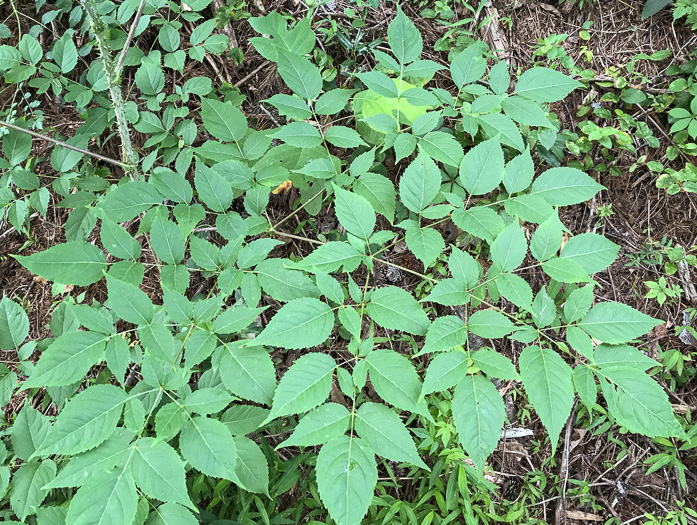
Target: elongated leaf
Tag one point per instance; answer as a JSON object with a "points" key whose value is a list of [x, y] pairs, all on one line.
{"points": [[481, 169], [167, 241], [479, 413], [420, 183], [547, 380], [494, 364], [301, 323], [378, 191], [544, 85], [208, 445], [78, 263], [86, 421], [346, 475], [464, 268], [384, 431], [425, 243], [319, 426], [126, 201], [565, 186], [448, 292], [354, 213], [29, 431], [159, 471], [480, 222], [284, 284], [27, 491], [14, 324], [442, 147], [129, 302], [490, 324], [404, 39], [519, 172], [108, 498], [171, 514], [396, 309], [622, 356], [300, 75], [584, 381], [304, 386], [213, 189], [252, 469], [331, 257], [592, 251], [67, 359], [468, 66], [515, 289], [616, 323], [509, 249], [446, 332], [248, 373]]}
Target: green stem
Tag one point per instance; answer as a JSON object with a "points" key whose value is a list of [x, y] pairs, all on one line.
{"points": [[113, 81]]}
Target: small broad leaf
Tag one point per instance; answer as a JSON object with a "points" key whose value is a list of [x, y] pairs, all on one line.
{"points": [[354, 213], [592, 251], [479, 413], [490, 324], [509, 249], [223, 120], [464, 268], [547, 380], [107, 498], [584, 382], [546, 240], [346, 475], [129, 302], [468, 66], [545, 85], [578, 303], [446, 332], [86, 421], [445, 371], [300, 75], [171, 514], [378, 191], [29, 431], [331, 257], [126, 201], [14, 324], [494, 364], [248, 372], [425, 243], [159, 471], [396, 381], [65, 53], [27, 491], [565, 186], [118, 242], [305, 385], [319, 426], [420, 183], [78, 263], [396, 309], [481, 169], [213, 189], [519, 172], [515, 289], [208, 446], [616, 323], [301, 323], [386, 434], [167, 241], [442, 147], [480, 222]]}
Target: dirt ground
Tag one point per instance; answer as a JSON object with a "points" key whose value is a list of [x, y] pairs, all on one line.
{"points": [[613, 467]]}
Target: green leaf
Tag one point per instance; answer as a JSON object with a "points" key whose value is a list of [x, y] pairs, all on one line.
{"points": [[592, 251], [519, 172], [448, 292], [442, 147], [378, 191], [622, 356], [107, 498], [565, 186], [284, 284], [333, 101], [578, 303], [396, 309], [319, 426], [150, 78], [500, 126], [129, 302], [255, 252], [479, 413], [584, 381], [27, 491], [404, 39], [207, 400], [78, 263], [651, 7], [252, 469], [445, 371], [14, 324], [509, 249], [420, 183], [547, 381], [208, 446], [481, 222], [525, 112], [490, 324], [300, 135], [9, 57], [494, 364], [343, 137], [300, 75], [159, 471], [126, 201], [616, 323], [86, 421], [301, 323], [464, 268], [171, 185], [304, 386], [515, 289], [346, 476], [379, 83], [546, 240], [638, 403], [290, 106], [236, 319], [425, 243], [167, 241], [481, 169], [331, 257], [384, 431], [118, 242], [396, 381], [248, 373], [29, 431], [67, 359], [529, 208], [446, 332], [65, 52], [468, 66], [544, 85], [213, 189], [565, 271], [354, 213], [223, 120], [171, 514]]}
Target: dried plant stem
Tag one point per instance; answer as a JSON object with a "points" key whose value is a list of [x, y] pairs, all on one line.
{"points": [[113, 81]]}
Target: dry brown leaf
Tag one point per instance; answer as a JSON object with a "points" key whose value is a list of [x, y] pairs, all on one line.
{"points": [[283, 188]]}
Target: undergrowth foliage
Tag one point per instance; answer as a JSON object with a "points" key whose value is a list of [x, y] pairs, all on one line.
{"points": [[155, 402]]}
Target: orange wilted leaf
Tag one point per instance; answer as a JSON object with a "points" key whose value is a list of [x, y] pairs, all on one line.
{"points": [[283, 188]]}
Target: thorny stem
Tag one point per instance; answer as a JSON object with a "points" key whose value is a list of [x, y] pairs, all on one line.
{"points": [[112, 77], [132, 32]]}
